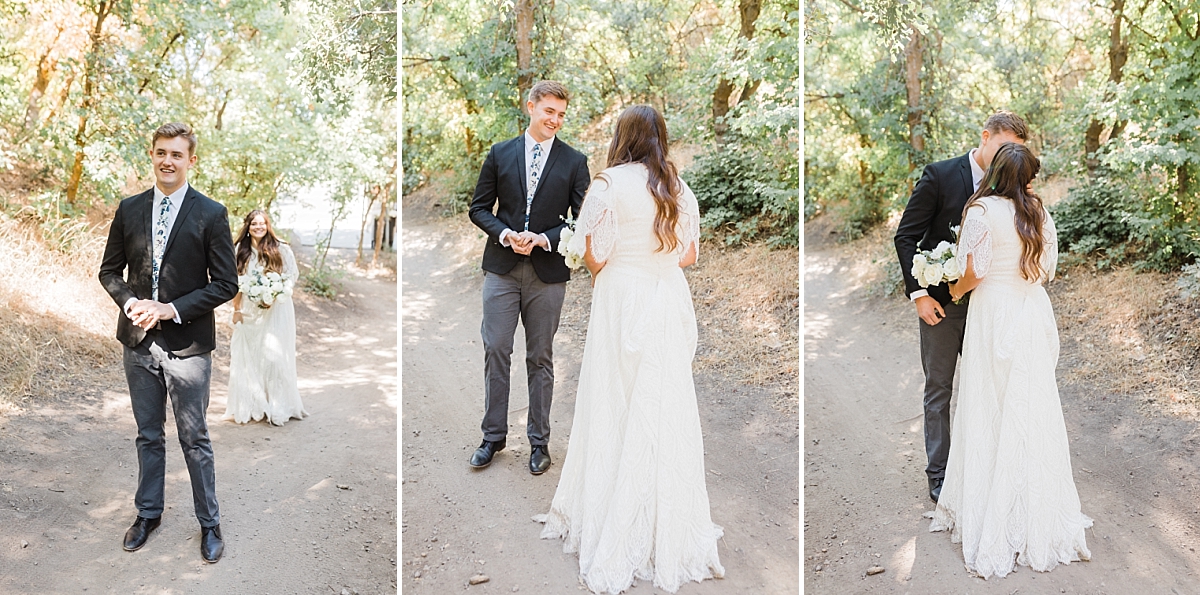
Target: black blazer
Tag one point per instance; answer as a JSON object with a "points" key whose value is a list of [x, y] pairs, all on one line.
{"points": [[197, 273], [936, 203], [563, 183]]}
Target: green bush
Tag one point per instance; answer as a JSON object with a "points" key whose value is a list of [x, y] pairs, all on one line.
{"points": [[743, 197], [1109, 224], [1096, 220]]}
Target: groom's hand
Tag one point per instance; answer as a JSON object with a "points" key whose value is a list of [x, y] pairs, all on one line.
{"points": [[147, 313], [929, 310], [534, 240]]}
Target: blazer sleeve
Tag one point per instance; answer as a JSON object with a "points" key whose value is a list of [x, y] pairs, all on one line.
{"points": [[485, 198], [581, 179], [918, 216], [112, 267], [222, 272]]}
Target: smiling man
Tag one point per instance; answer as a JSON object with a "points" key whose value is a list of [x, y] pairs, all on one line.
{"points": [[168, 264], [526, 187]]}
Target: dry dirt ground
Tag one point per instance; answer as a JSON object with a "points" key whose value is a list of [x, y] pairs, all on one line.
{"points": [[306, 508], [864, 483], [457, 523]]}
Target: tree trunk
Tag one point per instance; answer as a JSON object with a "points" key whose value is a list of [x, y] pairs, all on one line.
{"points": [[1118, 54], [85, 105], [380, 225], [45, 69], [748, 11], [524, 18], [362, 228], [913, 59]]}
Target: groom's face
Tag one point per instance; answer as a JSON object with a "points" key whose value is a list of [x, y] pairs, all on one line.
{"points": [[172, 158], [991, 143], [546, 116]]}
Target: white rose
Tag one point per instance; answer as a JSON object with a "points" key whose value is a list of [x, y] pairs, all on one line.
{"points": [[950, 269], [933, 274], [941, 250], [918, 269], [564, 238]]}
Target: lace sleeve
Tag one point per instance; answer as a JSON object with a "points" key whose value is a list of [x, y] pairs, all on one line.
{"points": [[689, 220], [975, 238], [291, 272], [1050, 250], [598, 220]]}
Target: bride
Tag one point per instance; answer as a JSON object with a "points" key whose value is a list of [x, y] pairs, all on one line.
{"points": [[262, 366], [632, 500], [1009, 497]]}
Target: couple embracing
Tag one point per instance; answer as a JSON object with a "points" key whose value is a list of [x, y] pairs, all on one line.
{"points": [[1000, 475], [631, 499]]}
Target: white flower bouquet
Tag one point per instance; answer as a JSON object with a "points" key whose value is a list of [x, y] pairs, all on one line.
{"points": [[937, 266], [263, 289], [574, 259]]}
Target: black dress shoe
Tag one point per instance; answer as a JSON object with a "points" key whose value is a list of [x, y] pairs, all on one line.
{"points": [[539, 459], [935, 488], [137, 534], [211, 546], [483, 455]]}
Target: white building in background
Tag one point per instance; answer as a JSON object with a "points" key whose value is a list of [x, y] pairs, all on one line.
{"points": [[308, 214]]}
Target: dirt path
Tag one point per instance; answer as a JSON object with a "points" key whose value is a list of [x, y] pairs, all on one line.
{"points": [[458, 523], [865, 489], [69, 473]]}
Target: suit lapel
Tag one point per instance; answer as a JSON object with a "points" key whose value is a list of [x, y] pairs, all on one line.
{"points": [[148, 223], [965, 170], [522, 169], [555, 151], [189, 200]]}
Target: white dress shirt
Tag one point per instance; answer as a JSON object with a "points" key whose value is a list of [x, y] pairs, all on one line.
{"points": [[529, 144], [977, 174], [176, 202]]}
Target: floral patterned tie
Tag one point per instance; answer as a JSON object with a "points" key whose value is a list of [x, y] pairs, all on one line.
{"points": [[534, 174], [160, 242]]}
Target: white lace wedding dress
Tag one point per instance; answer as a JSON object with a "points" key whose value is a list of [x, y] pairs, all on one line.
{"points": [[632, 500], [1009, 496], [262, 358]]}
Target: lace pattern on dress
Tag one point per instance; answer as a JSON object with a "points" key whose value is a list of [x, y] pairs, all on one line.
{"points": [[1050, 251], [598, 220], [689, 220], [975, 239]]}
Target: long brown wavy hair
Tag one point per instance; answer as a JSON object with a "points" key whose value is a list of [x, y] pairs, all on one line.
{"points": [[1012, 169], [268, 249], [641, 137]]}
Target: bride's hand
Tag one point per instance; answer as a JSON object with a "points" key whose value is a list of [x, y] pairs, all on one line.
{"points": [[237, 317]]}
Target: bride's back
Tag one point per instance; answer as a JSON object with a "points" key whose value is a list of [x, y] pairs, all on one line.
{"points": [[1004, 259], [622, 190]]}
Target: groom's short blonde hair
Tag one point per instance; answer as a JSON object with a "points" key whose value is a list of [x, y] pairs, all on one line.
{"points": [[1010, 121], [176, 129], [544, 88]]}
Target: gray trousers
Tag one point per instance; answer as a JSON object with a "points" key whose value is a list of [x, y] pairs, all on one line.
{"points": [[507, 298], [940, 346], [153, 373]]}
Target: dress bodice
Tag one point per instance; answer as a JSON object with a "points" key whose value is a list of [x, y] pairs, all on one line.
{"points": [[618, 213], [989, 233]]}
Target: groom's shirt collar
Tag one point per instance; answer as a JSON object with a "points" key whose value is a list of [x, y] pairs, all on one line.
{"points": [[530, 142], [976, 171], [176, 197]]}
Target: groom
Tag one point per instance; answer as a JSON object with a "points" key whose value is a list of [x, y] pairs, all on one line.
{"points": [[936, 204], [168, 263], [527, 185]]}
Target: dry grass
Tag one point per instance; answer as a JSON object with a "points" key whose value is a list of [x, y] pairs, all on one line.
{"points": [[1131, 334], [748, 309], [56, 329]]}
